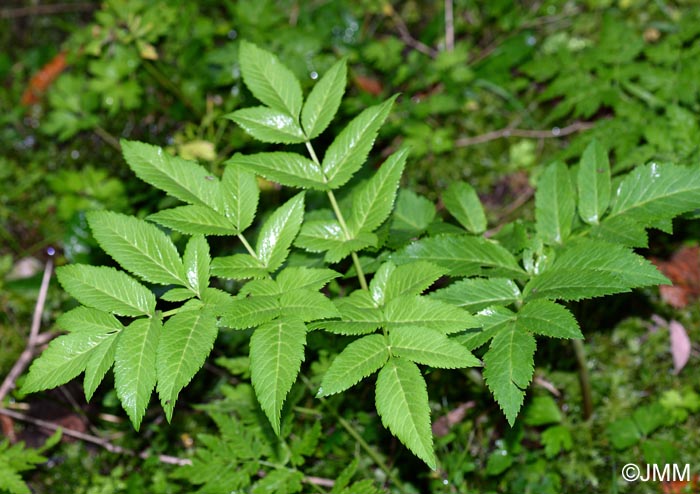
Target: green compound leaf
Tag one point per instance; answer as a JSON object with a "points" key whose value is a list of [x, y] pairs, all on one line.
{"points": [[84, 319], [268, 125], [593, 183], [215, 299], [244, 313], [265, 286], [93, 322], [138, 246], [461, 255], [196, 262], [372, 201], [180, 178], [324, 100], [429, 347], [290, 169], [508, 368], [184, 345], [306, 305], [135, 366], [461, 201], [377, 287], [428, 313], [621, 230], [294, 278], [99, 362], [276, 353], [194, 220], [107, 289], [573, 284], [177, 295], [68, 355], [492, 321], [591, 268], [240, 195], [328, 236], [555, 204], [320, 235], [269, 80], [657, 191], [549, 319], [354, 320], [474, 294], [349, 150], [278, 233], [345, 248], [411, 279], [358, 360], [237, 267], [591, 255], [402, 403]]}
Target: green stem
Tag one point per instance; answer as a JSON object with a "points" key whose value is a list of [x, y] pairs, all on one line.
{"points": [[247, 245], [108, 138], [584, 378], [171, 312], [360, 440], [310, 148], [346, 232], [341, 219], [338, 214]]}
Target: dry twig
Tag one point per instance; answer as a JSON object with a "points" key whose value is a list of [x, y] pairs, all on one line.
{"points": [[112, 448], [35, 339], [449, 26], [532, 134], [406, 37]]}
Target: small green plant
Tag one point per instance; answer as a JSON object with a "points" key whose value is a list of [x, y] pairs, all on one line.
{"points": [[499, 291], [634, 75], [16, 458]]}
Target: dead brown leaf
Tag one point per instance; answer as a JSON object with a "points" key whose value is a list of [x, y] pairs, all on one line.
{"points": [[369, 85], [443, 425], [683, 269]]}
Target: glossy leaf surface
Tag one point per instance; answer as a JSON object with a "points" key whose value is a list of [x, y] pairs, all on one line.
{"points": [[402, 403], [140, 247]]}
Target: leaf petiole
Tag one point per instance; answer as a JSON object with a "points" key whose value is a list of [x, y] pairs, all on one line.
{"points": [[341, 219], [247, 245]]}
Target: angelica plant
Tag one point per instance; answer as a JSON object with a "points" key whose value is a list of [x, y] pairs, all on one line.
{"points": [[500, 293]]}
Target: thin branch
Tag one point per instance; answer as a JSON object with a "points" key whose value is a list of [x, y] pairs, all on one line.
{"points": [[449, 25], [532, 134], [584, 378], [108, 138], [26, 356], [542, 382], [112, 448], [59, 8], [319, 481], [406, 37]]}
